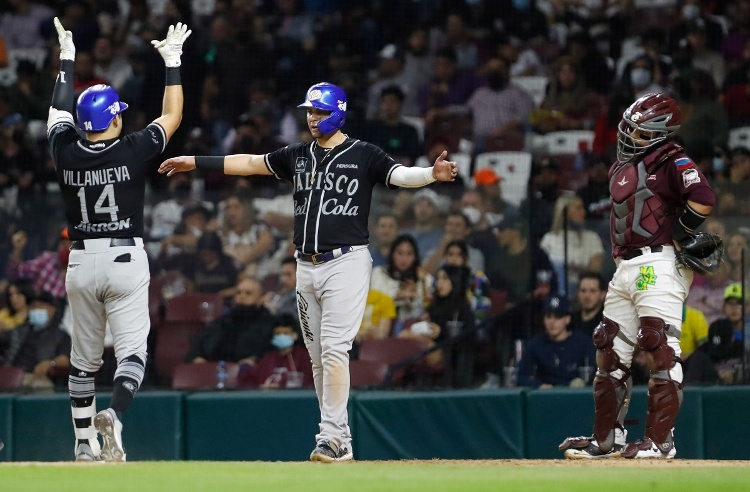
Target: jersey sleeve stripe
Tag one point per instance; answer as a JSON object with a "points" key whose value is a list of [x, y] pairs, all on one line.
{"points": [[268, 166], [390, 172], [163, 134]]}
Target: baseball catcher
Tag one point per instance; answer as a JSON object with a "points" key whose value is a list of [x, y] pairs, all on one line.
{"points": [[659, 200]]}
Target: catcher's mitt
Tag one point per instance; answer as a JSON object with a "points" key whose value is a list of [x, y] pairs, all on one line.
{"points": [[702, 252]]}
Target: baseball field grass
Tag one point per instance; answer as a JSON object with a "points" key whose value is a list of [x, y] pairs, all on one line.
{"points": [[365, 476]]}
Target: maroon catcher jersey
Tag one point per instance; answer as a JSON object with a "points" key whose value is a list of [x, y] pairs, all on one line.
{"points": [[648, 194]]}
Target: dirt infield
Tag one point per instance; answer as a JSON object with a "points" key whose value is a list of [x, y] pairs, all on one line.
{"points": [[674, 463]]}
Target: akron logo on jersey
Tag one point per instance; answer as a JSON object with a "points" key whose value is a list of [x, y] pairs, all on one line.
{"points": [[342, 105], [315, 94]]}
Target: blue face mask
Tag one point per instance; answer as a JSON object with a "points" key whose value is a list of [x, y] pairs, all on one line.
{"points": [[640, 77], [521, 4], [282, 341], [718, 164], [38, 318]]}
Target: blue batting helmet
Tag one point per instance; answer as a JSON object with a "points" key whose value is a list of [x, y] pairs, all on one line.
{"points": [[97, 107], [327, 97]]}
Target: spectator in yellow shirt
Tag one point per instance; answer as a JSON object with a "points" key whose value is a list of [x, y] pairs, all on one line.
{"points": [[380, 311], [694, 330]]}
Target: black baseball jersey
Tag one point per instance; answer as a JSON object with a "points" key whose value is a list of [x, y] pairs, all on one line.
{"points": [[103, 183], [332, 190]]}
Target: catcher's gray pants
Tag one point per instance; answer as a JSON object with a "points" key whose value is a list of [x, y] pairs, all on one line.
{"points": [[652, 284], [331, 300], [101, 289]]}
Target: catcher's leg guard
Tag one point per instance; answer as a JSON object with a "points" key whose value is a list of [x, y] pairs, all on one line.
{"points": [[665, 383], [611, 394]]}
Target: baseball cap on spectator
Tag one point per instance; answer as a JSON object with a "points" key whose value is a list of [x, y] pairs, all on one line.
{"points": [[45, 297], [557, 305], [733, 291], [431, 196], [486, 177]]}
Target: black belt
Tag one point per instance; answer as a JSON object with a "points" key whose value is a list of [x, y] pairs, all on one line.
{"points": [[638, 252], [318, 258], [114, 242]]}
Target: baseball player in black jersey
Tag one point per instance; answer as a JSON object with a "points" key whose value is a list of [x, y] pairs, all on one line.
{"points": [[333, 179], [102, 180]]}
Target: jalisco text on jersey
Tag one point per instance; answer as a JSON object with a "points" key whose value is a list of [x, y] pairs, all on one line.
{"points": [[96, 177], [342, 183]]}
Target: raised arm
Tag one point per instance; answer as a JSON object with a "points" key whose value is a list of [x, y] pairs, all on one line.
{"points": [[63, 98], [236, 164], [170, 48]]}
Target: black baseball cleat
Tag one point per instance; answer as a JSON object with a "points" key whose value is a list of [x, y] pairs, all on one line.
{"points": [[586, 448], [326, 453]]}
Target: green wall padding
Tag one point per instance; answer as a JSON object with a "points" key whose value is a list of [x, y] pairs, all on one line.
{"points": [[251, 425], [555, 414], [448, 425], [152, 427], [726, 424], [6, 427]]}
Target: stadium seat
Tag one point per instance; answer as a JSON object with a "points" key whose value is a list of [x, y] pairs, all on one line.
{"points": [[535, 85], [364, 373], [514, 169], [203, 376], [390, 351], [11, 379], [194, 307], [568, 142], [172, 343]]}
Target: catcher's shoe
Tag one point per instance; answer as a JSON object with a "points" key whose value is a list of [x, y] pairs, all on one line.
{"points": [[646, 449], [586, 448], [325, 452], [110, 428]]}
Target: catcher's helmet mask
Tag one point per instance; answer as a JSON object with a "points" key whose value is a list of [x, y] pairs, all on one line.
{"points": [[327, 97], [650, 120], [97, 106]]}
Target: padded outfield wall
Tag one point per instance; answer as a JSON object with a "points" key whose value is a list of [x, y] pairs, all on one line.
{"points": [[387, 425]]}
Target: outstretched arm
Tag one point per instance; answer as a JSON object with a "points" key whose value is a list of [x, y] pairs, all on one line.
{"points": [[170, 48], [415, 177], [236, 164], [63, 98]]}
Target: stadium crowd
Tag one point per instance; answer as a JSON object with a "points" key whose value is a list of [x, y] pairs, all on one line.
{"points": [[525, 94]]}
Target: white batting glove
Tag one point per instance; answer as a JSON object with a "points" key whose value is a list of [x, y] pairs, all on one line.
{"points": [[67, 48], [170, 48]]}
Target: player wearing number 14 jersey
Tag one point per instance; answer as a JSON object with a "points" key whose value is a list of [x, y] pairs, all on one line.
{"points": [[102, 180]]}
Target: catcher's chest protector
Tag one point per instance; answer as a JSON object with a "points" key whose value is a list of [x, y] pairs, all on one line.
{"points": [[639, 215]]}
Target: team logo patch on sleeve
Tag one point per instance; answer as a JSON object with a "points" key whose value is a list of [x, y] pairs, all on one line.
{"points": [[683, 163], [690, 176], [300, 165]]}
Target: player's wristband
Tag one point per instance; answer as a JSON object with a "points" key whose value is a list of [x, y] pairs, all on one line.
{"points": [[210, 162], [173, 76]]}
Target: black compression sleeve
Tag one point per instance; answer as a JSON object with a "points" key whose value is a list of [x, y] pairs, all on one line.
{"points": [[63, 96], [210, 162], [173, 76], [687, 223]]}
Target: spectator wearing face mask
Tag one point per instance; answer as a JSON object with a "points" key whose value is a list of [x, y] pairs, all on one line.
{"points": [[38, 346], [287, 366], [499, 109], [640, 78]]}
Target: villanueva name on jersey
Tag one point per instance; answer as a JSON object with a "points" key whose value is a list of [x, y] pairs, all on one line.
{"points": [[96, 177]]}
